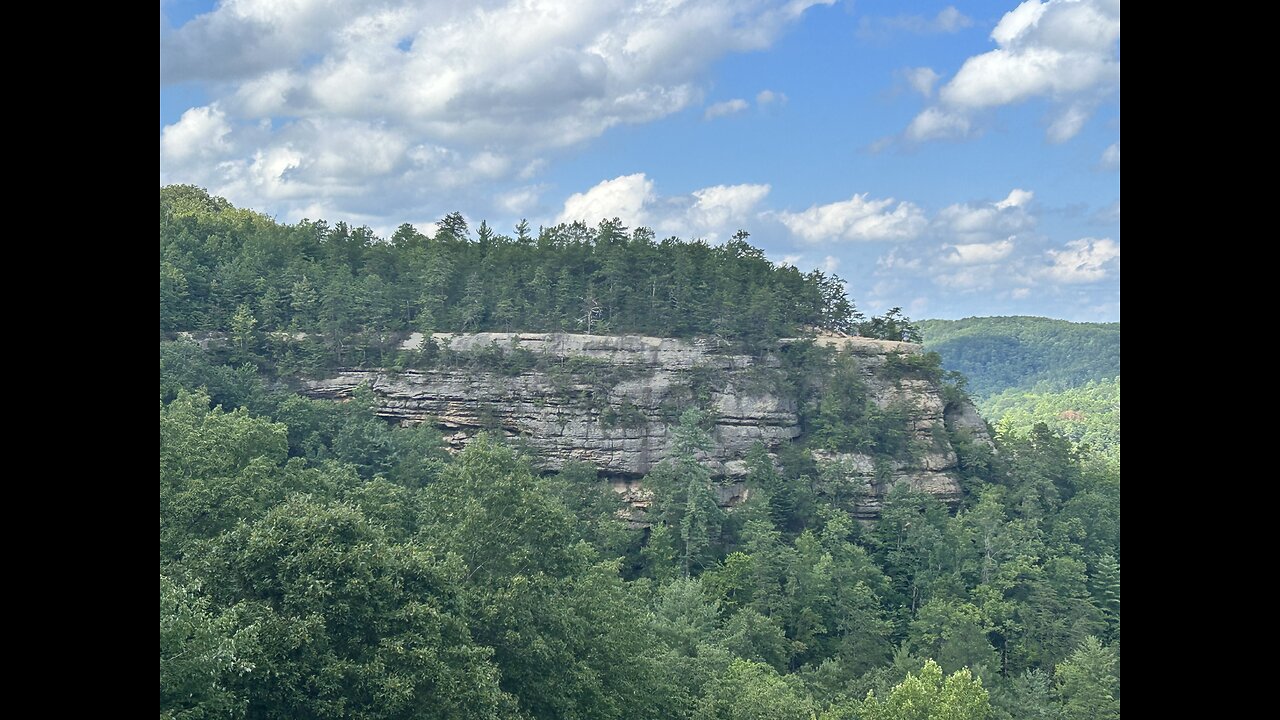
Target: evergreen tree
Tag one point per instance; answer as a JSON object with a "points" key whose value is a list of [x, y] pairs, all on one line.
{"points": [[1087, 684]]}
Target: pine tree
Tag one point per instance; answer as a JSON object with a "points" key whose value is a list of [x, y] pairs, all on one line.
{"points": [[1087, 683]]}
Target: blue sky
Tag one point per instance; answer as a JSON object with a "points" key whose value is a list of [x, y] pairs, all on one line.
{"points": [[954, 159]]}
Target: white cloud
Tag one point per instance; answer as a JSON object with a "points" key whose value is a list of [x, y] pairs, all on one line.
{"points": [[1017, 198], [768, 97], [198, 135], [1068, 123], [1111, 156], [897, 261], [951, 20], [623, 197], [459, 92], [921, 79], [531, 168], [857, 219], [986, 222], [717, 207], [519, 202], [728, 107], [711, 212], [1066, 51], [936, 124], [1083, 261], [978, 253], [980, 278], [829, 264], [1000, 273]]}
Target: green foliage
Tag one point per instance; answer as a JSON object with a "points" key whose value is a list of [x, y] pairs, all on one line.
{"points": [[200, 651], [1088, 415], [916, 365], [844, 417], [955, 634], [893, 325], [348, 623], [790, 504], [1105, 587], [929, 696], [752, 691], [1087, 683], [488, 509], [1028, 696], [318, 561], [683, 501], [305, 573], [237, 271], [1002, 353]]}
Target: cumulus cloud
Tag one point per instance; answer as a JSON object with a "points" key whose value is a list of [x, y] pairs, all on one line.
{"points": [[1066, 51], [964, 262], [200, 133], [1111, 156], [292, 84], [720, 206], [520, 201], [972, 223], [921, 79], [1017, 198], [977, 246], [978, 253], [728, 107], [712, 213], [951, 20], [896, 261], [1083, 261], [936, 124], [857, 219], [768, 97], [623, 197]]}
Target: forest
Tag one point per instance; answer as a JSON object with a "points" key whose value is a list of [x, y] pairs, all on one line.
{"points": [[1021, 353], [317, 561], [1028, 370], [338, 295]]}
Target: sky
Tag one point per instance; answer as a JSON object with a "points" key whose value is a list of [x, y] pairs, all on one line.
{"points": [[953, 159]]}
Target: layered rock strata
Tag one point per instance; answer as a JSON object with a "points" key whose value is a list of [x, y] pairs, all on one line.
{"points": [[613, 401]]}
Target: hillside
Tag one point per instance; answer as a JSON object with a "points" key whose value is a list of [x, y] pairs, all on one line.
{"points": [[1011, 353], [373, 507], [1088, 414]]}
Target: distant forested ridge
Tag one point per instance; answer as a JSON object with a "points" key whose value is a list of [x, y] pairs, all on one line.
{"points": [[1003, 353]]}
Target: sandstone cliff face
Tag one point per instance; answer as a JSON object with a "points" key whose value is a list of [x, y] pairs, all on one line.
{"points": [[623, 424]]}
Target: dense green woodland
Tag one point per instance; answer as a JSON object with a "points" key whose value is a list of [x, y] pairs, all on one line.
{"points": [[317, 562], [1088, 414], [1003, 353], [1029, 370], [233, 270]]}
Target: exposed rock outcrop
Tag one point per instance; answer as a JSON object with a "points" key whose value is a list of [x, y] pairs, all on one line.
{"points": [[612, 401]]}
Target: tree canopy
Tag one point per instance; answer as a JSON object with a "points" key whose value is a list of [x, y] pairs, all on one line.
{"points": [[317, 561]]}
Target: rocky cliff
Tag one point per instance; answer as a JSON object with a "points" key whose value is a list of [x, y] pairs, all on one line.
{"points": [[612, 401]]}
